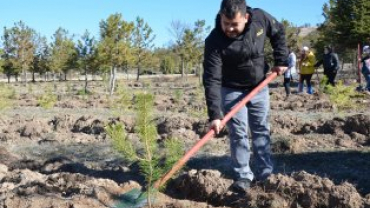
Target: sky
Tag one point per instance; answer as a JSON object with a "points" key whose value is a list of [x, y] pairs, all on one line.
{"points": [[76, 16]]}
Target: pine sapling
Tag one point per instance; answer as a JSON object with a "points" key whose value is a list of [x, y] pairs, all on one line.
{"points": [[47, 100], [7, 94], [342, 96], [152, 160], [178, 94]]}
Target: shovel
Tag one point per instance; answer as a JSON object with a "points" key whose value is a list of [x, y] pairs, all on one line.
{"points": [[135, 199]]}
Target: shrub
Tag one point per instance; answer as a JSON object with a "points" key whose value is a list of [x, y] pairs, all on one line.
{"points": [[47, 100], [7, 95], [342, 96]]}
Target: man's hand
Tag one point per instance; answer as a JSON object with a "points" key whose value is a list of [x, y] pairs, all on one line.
{"points": [[279, 69], [216, 125]]}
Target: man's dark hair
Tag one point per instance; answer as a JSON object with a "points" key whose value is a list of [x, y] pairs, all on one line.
{"points": [[330, 49], [230, 8]]}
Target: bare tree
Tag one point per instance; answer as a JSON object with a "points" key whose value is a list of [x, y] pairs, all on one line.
{"points": [[177, 30]]}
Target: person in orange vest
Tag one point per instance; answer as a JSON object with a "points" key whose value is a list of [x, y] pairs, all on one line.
{"points": [[307, 68]]}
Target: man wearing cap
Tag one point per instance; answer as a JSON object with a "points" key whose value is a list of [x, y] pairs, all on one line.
{"points": [[306, 68], [234, 65]]}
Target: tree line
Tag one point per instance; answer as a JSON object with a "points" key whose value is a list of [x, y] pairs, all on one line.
{"points": [[121, 45], [128, 45], [346, 24]]}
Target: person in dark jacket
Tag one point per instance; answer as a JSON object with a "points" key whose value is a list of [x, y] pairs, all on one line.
{"points": [[365, 61], [233, 65], [330, 62]]}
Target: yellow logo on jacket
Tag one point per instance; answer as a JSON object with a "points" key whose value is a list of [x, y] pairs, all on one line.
{"points": [[260, 32]]}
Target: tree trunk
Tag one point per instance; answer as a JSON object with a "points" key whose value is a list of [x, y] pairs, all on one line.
{"points": [[138, 73], [138, 67], [85, 80], [55, 84], [112, 80], [25, 77], [182, 67], [33, 76], [200, 73]]}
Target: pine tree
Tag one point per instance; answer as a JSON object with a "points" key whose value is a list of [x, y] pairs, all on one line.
{"points": [[86, 48], [143, 42], [153, 161], [63, 52], [19, 48], [114, 48], [347, 23]]}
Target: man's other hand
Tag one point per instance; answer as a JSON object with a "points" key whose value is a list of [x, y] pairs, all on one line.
{"points": [[279, 69], [216, 125]]}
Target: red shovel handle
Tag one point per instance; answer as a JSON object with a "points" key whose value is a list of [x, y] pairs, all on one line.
{"points": [[211, 132]]}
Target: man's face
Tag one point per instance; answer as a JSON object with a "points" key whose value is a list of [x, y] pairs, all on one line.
{"points": [[235, 26]]}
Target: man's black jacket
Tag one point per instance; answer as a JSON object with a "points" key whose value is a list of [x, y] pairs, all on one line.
{"points": [[330, 62], [239, 62]]}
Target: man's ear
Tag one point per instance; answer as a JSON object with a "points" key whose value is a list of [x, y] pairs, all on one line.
{"points": [[246, 17]]}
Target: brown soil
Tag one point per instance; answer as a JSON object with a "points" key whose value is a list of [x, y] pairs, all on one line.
{"points": [[62, 157]]}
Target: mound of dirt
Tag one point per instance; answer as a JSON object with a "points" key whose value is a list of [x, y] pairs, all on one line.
{"points": [[163, 102], [176, 126], [332, 126], [284, 124], [6, 157], [25, 188], [301, 189], [88, 125], [307, 190], [300, 102], [351, 125], [34, 129], [319, 105], [62, 122], [201, 185], [359, 123], [127, 121]]}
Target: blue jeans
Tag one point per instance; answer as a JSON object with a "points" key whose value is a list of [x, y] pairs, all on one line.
{"points": [[367, 78], [302, 79], [254, 115]]}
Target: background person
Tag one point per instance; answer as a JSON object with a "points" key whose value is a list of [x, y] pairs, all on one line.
{"points": [[366, 66], [330, 63], [292, 59], [307, 68]]}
